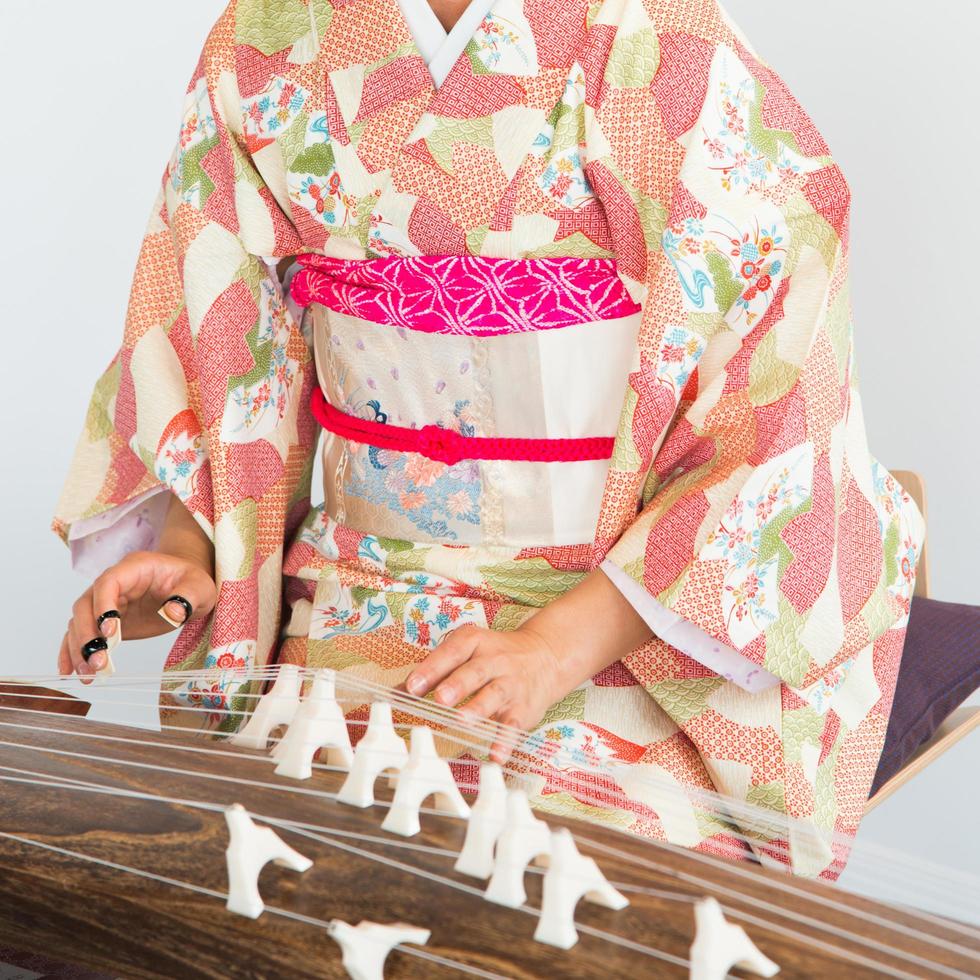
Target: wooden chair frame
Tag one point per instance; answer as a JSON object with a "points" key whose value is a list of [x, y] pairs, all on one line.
{"points": [[962, 721]]}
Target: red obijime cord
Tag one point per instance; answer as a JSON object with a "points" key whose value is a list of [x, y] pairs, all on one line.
{"points": [[450, 447]]}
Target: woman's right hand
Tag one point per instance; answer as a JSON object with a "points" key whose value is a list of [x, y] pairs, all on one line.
{"points": [[137, 588]]}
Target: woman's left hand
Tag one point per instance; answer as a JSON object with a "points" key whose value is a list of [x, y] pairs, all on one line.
{"points": [[515, 675]]}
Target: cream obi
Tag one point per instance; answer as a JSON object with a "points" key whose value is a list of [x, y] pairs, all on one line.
{"points": [[564, 382]]}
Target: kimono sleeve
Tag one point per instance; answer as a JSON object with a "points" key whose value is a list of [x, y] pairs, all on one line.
{"points": [[766, 530], [204, 397]]}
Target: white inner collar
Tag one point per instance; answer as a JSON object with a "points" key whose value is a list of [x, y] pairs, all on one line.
{"points": [[441, 50]]}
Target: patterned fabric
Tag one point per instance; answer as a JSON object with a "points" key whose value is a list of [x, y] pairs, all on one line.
{"points": [[471, 295], [741, 493]]}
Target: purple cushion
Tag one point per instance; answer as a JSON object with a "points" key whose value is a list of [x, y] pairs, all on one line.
{"points": [[940, 669]]}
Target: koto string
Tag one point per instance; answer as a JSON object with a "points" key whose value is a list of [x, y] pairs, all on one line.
{"points": [[349, 848], [263, 759], [885, 864], [581, 785], [303, 830], [766, 822], [284, 913], [270, 820], [587, 791], [386, 841], [891, 866], [431, 710]]}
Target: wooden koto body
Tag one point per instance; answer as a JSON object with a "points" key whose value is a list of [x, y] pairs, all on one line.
{"points": [[90, 915]]}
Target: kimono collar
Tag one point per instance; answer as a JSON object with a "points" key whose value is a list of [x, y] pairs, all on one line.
{"points": [[439, 48], [488, 110]]}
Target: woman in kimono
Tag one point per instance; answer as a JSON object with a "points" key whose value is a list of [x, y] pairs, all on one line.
{"points": [[558, 292]]}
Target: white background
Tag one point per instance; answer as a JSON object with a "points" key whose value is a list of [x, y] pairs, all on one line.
{"points": [[93, 101]]}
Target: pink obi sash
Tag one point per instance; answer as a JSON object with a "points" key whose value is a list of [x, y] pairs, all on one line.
{"points": [[472, 295], [465, 295]]}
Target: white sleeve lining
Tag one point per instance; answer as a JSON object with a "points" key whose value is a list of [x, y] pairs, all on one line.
{"points": [[96, 543]]}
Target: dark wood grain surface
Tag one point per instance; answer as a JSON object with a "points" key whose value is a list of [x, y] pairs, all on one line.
{"points": [[125, 925], [42, 699]]}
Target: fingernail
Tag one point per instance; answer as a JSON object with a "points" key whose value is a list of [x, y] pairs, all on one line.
{"points": [[446, 695], [108, 622], [176, 611], [415, 684], [97, 662]]}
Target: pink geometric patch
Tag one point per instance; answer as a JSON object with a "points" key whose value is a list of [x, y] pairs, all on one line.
{"points": [[222, 347], [335, 120], [859, 551], [590, 220], [593, 58], [398, 80], [829, 194], [779, 426], [253, 468], [124, 414], [685, 205], [671, 544], [558, 29], [681, 84], [615, 675], [623, 220], [237, 611], [567, 558], [463, 95], [810, 537], [683, 449], [433, 233], [253, 70]]}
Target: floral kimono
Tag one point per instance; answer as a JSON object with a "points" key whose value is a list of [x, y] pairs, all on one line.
{"points": [[583, 304]]}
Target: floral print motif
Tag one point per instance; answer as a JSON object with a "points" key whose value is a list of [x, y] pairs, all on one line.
{"points": [[820, 695], [739, 267], [903, 549], [503, 42], [198, 134], [220, 695], [274, 110], [259, 403], [733, 132], [750, 601], [340, 613], [432, 495], [570, 744], [680, 352], [428, 618], [562, 145], [181, 455], [315, 182]]}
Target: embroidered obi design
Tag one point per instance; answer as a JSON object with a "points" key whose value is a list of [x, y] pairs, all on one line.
{"points": [[468, 400]]}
